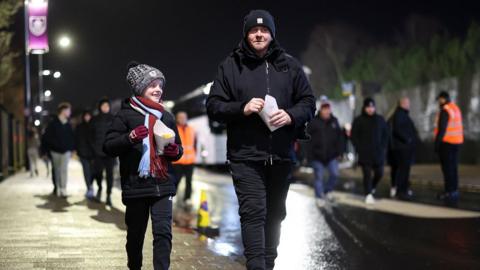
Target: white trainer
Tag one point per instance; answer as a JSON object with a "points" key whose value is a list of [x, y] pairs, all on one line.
{"points": [[320, 202], [393, 192], [369, 199]]}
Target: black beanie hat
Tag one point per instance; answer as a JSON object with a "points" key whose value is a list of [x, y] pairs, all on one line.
{"points": [[102, 101], [444, 94], [368, 102], [258, 17]]}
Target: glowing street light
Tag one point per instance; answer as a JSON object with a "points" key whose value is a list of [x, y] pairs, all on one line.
{"points": [[57, 74], [169, 104], [47, 93], [46, 72], [206, 89], [38, 109], [64, 42], [37, 123]]}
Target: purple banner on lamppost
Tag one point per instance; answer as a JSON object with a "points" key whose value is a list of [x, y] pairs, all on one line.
{"points": [[37, 26]]}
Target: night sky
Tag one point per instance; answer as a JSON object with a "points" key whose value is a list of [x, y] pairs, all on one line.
{"points": [[188, 39]]}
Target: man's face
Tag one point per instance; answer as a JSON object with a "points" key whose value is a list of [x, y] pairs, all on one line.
{"points": [[370, 110], [66, 112], [87, 117], [259, 38], [441, 101], [181, 118], [405, 103], [154, 91], [105, 107], [325, 112]]}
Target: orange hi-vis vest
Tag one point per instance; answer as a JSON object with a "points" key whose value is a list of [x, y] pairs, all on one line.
{"points": [[187, 135], [454, 132]]}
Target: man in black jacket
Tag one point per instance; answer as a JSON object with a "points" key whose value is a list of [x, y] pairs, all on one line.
{"points": [[60, 142], [260, 160], [370, 138], [85, 151], [403, 141], [102, 162], [325, 147]]}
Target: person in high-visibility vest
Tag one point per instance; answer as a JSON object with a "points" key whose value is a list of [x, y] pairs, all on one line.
{"points": [[448, 138], [185, 165]]}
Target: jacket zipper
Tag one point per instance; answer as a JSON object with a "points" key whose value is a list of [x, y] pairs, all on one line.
{"points": [[270, 157]]}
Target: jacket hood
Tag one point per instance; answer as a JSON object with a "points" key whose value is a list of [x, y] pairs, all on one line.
{"points": [[364, 113], [244, 52], [125, 103], [403, 110]]}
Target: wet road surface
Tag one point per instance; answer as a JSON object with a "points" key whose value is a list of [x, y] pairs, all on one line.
{"points": [[346, 234]]}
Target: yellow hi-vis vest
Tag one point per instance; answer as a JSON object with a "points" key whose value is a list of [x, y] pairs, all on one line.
{"points": [[187, 135], [454, 132]]}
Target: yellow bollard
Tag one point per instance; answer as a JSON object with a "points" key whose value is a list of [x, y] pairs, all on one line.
{"points": [[203, 217], [203, 220]]}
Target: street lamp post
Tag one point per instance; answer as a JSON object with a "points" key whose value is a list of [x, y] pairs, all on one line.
{"points": [[28, 91], [40, 79]]}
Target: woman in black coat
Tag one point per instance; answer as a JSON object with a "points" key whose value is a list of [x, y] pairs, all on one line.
{"points": [[145, 167], [85, 150]]}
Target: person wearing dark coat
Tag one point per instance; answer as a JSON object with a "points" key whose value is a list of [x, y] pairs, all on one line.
{"points": [[260, 159], [102, 162], [59, 140], [85, 151], [370, 139], [146, 172], [324, 149], [449, 136], [47, 158], [403, 140]]}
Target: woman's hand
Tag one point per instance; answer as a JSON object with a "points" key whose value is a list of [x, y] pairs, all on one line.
{"points": [[138, 134], [171, 150]]}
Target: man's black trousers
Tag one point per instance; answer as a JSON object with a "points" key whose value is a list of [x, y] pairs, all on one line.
{"points": [[100, 164], [261, 191], [401, 165], [449, 160]]}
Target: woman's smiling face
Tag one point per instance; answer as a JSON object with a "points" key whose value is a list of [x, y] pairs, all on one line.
{"points": [[154, 91]]}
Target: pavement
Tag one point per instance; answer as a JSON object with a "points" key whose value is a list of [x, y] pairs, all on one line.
{"points": [[431, 175], [426, 182], [41, 231]]}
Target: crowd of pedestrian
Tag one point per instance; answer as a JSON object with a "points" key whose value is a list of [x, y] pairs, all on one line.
{"points": [[156, 150], [378, 143]]}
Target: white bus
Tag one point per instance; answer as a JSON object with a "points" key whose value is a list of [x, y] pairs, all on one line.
{"points": [[211, 137]]}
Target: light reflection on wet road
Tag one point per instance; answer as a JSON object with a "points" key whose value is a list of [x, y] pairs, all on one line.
{"points": [[306, 242], [343, 236]]}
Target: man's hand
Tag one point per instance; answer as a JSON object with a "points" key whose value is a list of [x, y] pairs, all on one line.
{"points": [[255, 105], [280, 118]]}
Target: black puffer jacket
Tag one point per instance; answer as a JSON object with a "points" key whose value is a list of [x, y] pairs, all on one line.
{"points": [[404, 135], [370, 138], [59, 137], [243, 76], [326, 143], [99, 127], [83, 141], [117, 143]]}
